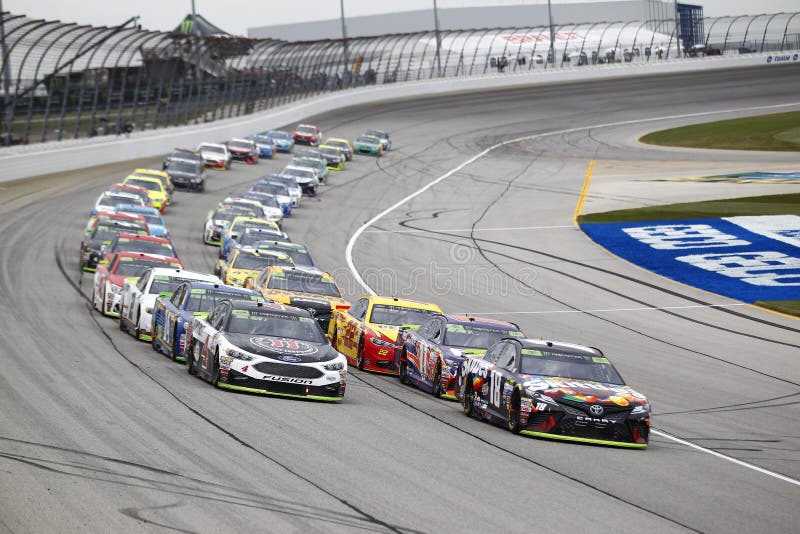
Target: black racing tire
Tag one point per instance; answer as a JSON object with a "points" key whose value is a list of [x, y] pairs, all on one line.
{"points": [[215, 372], [468, 397], [103, 302], [174, 342], [403, 369], [190, 350], [360, 355], [512, 415], [122, 324], [436, 390]]}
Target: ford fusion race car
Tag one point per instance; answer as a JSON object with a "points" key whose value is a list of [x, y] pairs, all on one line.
{"points": [[215, 155], [252, 237], [366, 333], [553, 390], [283, 140], [429, 357], [244, 150], [139, 297], [244, 263], [162, 176], [172, 315], [269, 203], [182, 154], [301, 287], [369, 145], [306, 178], [265, 348], [112, 272], [217, 221]]}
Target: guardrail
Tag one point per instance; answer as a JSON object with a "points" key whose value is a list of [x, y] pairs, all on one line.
{"points": [[66, 81]]}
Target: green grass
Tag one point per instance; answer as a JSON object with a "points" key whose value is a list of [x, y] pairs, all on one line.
{"points": [[729, 207], [789, 307], [778, 132]]}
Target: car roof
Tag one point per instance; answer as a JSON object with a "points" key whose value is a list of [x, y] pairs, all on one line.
{"points": [[136, 237], [264, 252], [562, 346], [301, 269], [138, 209], [150, 172], [216, 145], [147, 256], [166, 271], [144, 177], [407, 303], [271, 306], [480, 321]]}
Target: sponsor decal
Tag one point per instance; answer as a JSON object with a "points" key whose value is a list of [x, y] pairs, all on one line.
{"points": [[284, 345], [753, 258], [596, 409], [289, 358], [287, 379]]}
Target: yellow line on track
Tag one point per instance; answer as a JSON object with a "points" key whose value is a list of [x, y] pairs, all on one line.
{"points": [[586, 182]]}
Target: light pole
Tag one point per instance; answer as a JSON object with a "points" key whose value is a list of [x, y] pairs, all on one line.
{"points": [[6, 78], [677, 27], [344, 36], [438, 39], [552, 34]]}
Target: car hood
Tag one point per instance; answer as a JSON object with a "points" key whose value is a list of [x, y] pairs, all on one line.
{"points": [[283, 349], [307, 300], [583, 391]]}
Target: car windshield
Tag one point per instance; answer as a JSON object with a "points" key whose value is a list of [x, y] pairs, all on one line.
{"points": [[165, 284], [376, 133], [148, 247], [275, 134], [330, 151], [187, 167], [240, 144], [302, 173], [317, 284], [568, 365], [299, 254], [240, 226], [308, 162], [398, 315], [136, 266], [473, 337], [202, 300], [272, 189], [228, 214], [340, 144], [251, 262], [258, 210], [306, 130], [267, 323], [215, 149], [106, 232], [253, 239], [367, 140], [119, 200], [265, 200], [147, 184], [288, 181]]}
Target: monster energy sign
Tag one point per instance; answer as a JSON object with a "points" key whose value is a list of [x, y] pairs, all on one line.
{"points": [[187, 25]]}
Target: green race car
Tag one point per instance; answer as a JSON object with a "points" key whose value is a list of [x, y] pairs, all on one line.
{"points": [[319, 165], [368, 145]]}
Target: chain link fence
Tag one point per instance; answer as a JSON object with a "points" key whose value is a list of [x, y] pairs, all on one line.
{"points": [[69, 81]]}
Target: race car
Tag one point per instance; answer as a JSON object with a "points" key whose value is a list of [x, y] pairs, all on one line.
{"points": [[366, 333], [187, 174], [368, 145], [263, 347], [141, 192], [108, 201], [342, 144], [429, 357], [383, 136], [302, 287], [140, 243], [239, 225], [246, 203], [299, 253], [93, 245], [252, 237], [173, 314], [269, 203], [218, 219], [279, 190], [155, 190], [116, 215], [290, 182], [244, 150], [182, 154], [555, 390], [215, 155], [307, 179], [318, 164], [244, 263], [283, 140], [334, 157], [166, 181], [139, 297], [306, 134], [153, 217], [265, 145], [114, 269]]}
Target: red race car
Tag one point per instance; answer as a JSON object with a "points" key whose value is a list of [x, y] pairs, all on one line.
{"points": [[114, 269], [306, 134]]}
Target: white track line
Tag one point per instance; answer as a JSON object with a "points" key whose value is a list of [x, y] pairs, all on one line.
{"points": [[645, 308], [348, 253], [506, 229]]}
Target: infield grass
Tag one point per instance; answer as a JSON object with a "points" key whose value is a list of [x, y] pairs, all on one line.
{"points": [[777, 132]]}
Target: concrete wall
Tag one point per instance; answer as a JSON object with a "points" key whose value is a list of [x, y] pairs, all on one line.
{"points": [[31, 160]]}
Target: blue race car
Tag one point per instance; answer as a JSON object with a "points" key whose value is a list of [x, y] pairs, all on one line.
{"points": [[429, 356], [173, 314], [283, 140], [155, 221], [279, 191], [265, 144]]}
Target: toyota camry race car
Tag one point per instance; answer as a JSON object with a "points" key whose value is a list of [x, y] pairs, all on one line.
{"points": [[265, 348], [429, 357], [215, 155], [553, 390], [172, 315], [366, 333], [299, 253], [108, 201], [115, 269], [301, 287], [139, 297], [187, 174], [306, 134]]}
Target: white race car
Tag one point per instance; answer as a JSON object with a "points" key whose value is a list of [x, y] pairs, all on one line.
{"points": [[215, 155], [139, 297]]}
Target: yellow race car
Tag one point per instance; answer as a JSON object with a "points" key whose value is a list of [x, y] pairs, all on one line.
{"points": [[366, 333], [155, 189], [302, 287], [247, 263], [342, 144], [161, 175]]}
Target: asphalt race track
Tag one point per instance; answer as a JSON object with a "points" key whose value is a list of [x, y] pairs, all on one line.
{"points": [[98, 433]]}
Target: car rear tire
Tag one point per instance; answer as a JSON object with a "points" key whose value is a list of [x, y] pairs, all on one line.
{"points": [[468, 397], [360, 355], [215, 373], [175, 343], [403, 369], [512, 416], [191, 353], [437, 381]]}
